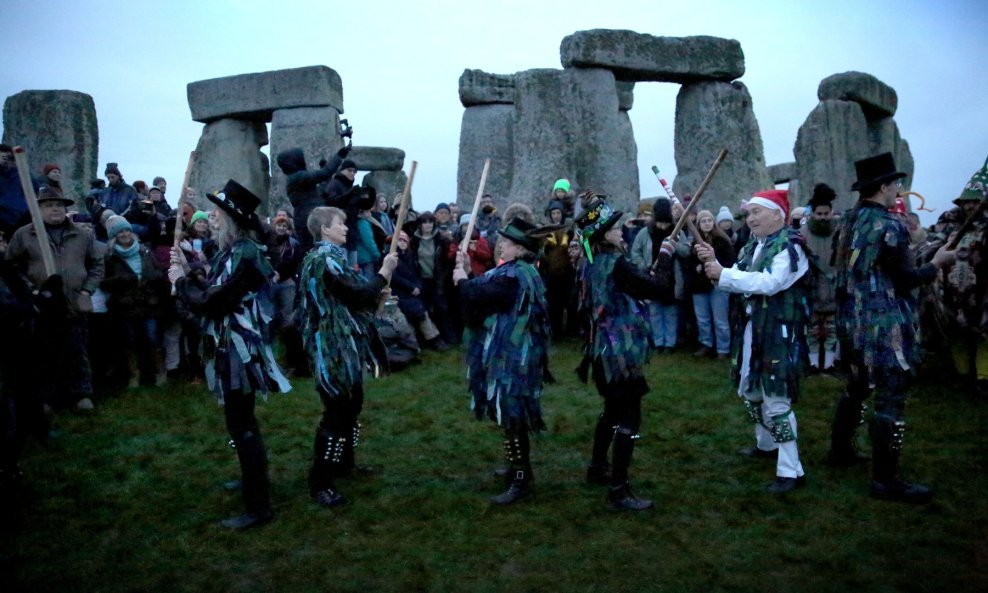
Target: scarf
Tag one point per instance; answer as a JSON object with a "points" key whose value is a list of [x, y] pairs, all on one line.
{"points": [[131, 255]]}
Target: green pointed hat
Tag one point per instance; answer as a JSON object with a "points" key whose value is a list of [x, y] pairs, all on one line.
{"points": [[977, 188]]}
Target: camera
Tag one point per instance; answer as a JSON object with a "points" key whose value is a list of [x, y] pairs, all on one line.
{"points": [[346, 131]]}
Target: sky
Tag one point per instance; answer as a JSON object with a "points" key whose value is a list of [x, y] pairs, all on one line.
{"points": [[400, 64]]}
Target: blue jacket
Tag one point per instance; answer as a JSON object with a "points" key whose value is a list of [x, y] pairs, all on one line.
{"points": [[13, 206]]}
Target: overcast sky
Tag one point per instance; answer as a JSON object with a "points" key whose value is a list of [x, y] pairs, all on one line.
{"points": [[400, 63]]}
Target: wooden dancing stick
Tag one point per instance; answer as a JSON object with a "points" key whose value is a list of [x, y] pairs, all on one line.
{"points": [[403, 209], [465, 241], [699, 193], [20, 158]]}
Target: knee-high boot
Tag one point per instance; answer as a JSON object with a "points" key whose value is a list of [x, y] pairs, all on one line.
{"points": [[254, 482], [327, 464], [619, 494], [519, 478], [599, 470], [886, 438], [850, 414]]}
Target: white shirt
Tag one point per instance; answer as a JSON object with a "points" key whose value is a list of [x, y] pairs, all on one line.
{"points": [[774, 280]]}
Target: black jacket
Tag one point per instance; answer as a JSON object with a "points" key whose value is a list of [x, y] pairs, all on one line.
{"points": [[303, 187]]}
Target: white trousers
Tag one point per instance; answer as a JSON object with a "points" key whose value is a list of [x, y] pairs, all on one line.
{"points": [[788, 465]]}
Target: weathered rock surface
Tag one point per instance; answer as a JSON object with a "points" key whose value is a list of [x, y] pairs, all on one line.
{"points": [[639, 57], [567, 124], [313, 129], [782, 172], [883, 134], [626, 95], [256, 96], [834, 135], [56, 127], [711, 116], [230, 149], [375, 158], [483, 88], [877, 99], [387, 183], [486, 131]]}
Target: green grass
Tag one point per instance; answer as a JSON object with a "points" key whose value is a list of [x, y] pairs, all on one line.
{"points": [[128, 499]]}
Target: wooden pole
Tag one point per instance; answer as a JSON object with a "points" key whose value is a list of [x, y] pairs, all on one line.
{"points": [[465, 241], [403, 209], [699, 192], [20, 158]]}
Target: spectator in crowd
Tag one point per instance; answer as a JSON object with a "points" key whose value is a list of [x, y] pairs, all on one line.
{"points": [[382, 215], [769, 333], [725, 222], [617, 348], [507, 351], [445, 224], [79, 270], [479, 250], [369, 237], [135, 286], [488, 220], [819, 232], [557, 273], [710, 304], [304, 187], [430, 253], [663, 312], [337, 307], [13, 205], [239, 363], [285, 254], [406, 284], [51, 175], [562, 192]]}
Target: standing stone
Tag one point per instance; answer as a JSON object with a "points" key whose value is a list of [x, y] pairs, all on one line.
{"points": [[486, 131], [834, 135], [483, 88], [316, 130], [55, 127], [884, 137], [567, 124], [711, 116], [377, 158], [230, 149], [877, 99], [782, 172], [256, 96], [626, 95], [388, 184], [638, 57]]}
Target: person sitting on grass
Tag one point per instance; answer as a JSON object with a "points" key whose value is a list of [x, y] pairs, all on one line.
{"points": [[337, 315]]}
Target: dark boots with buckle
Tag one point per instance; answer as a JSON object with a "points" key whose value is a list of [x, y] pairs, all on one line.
{"points": [[327, 465], [519, 478], [886, 437]]}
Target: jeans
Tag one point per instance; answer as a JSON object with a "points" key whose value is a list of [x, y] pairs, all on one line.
{"points": [[663, 321], [713, 306]]}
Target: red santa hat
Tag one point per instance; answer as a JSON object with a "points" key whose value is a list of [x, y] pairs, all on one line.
{"points": [[773, 199]]}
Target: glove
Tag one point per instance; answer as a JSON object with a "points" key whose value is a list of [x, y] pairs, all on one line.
{"points": [[343, 151]]}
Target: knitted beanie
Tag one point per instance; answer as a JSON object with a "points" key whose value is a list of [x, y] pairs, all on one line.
{"points": [[199, 215], [115, 225], [724, 214], [562, 184]]}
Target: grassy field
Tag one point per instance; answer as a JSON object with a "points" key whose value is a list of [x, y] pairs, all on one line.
{"points": [[127, 499]]}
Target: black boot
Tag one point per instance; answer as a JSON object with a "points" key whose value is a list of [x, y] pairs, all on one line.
{"points": [[519, 479], [619, 495], [886, 438], [327, 464], [849, 415], [349, 464], [254, 483], [599, 470]]}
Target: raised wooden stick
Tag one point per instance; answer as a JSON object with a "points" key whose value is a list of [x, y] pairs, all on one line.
{"points": [[465, 241], [20, 158], [699, 192], [403, 209]]}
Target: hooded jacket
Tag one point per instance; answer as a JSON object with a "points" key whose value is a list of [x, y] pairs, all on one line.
{"points": [[302, 187]]}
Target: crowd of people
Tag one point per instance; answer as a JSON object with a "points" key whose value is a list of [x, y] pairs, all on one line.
{"points": [[774, 291]]}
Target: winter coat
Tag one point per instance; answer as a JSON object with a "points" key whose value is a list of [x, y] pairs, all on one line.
{"points": [[118, 198], [128, 295], [77, 260], [481, 258], [13, 207], [302, 187], [441, 269], [285, 254]]}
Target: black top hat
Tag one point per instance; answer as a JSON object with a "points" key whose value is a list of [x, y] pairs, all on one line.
{"points": [[874, 171], [238, 201]]}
